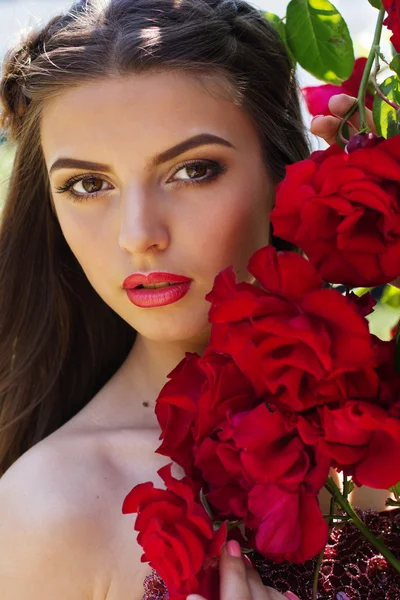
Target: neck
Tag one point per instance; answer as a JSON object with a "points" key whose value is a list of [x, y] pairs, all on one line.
{"points": [[148, 364]]}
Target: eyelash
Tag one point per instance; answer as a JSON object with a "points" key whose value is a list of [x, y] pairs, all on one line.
{"points": [[216, 167]]}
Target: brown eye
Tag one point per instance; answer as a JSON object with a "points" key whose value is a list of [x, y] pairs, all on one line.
{"points": [[84, 187], [198, 170], [92, 184]]}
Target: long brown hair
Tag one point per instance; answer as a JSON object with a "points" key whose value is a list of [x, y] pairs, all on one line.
{"points": [[59, 342]]}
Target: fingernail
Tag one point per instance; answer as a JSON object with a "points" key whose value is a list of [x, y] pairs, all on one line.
{"points": [[247, 561], [194, 597], [291, 596], [233, 548], [316, 117]]}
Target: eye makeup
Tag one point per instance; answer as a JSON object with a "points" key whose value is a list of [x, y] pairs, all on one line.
{"points": [[213, 169]]}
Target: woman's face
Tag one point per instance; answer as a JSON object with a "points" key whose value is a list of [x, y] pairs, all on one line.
{"points": [[178, 186]]}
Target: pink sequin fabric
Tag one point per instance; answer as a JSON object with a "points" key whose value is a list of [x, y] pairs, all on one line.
{"points": [[351, 569]]}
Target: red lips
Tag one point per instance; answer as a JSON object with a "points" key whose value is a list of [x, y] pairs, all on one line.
{"points": [[153, 298], [137, 279]]}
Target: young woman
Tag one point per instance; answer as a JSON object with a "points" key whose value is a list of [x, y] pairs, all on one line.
{"points": [[150, 135]]}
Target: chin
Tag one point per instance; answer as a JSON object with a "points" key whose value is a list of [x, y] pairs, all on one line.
{"points": [[190, 335], [161, 325]]}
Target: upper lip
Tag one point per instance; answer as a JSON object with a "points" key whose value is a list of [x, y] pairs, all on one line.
{"points": [[142, 279]]}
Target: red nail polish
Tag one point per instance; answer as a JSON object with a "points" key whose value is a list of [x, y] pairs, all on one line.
{"points": [[233, 548], [291, 596], [247, 561]]}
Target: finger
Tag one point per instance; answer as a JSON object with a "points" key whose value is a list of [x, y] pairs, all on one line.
{"points": [[233, 574], [326, 128], [340, 104], [259, 590]]}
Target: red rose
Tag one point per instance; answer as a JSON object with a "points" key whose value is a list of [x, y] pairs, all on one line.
{"points": [[219, 464], [251, 447], [291, 524], [364, 304], [392, 21], [360, 438], [176, 409], [226, 390], [230, 501], [196, 400], [176, 534], [343, 211], [317, 96], [303, 344], [271, 451], [256, 466]]}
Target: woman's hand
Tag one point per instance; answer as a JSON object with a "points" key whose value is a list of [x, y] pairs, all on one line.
{"points": [[240, 581], [328, 127]]}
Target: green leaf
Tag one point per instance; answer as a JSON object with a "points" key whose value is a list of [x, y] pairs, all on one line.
{"points": [[278, 24], [234, 524], [395, 490], [351, 486], [395, 64], [390, 502], [376, 3], [319, 39], [230, 524], [397, 369], [385, 117], [362, 290], [391, 296], [217, 525]]}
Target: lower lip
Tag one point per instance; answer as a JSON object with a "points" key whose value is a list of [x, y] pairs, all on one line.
{"points": [[149, 298]]}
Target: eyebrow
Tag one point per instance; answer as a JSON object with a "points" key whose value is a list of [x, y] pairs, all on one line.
{"points": [[202, 139]]}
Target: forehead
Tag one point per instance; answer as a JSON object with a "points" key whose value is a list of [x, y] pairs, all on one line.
{"points": [[143, 112]]}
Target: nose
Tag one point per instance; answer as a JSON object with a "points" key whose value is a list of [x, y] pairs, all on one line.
{"points": [[142, 223]]}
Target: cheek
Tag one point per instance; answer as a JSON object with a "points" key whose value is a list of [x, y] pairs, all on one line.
{"points": [[86, 239], [231, 228]]}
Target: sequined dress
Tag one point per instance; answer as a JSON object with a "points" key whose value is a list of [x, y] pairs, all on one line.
{"points": [[351, 569]]}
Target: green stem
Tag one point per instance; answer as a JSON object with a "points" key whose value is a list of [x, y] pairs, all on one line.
{"points": [[316, 575], [345, 487], [359, 102], [341, 140], [367, 70], [355, 519], [337, 519], [321, 555]]}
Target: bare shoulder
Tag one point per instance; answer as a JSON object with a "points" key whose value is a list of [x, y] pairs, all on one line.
{"points": [[51, 533], [60, 474]]}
